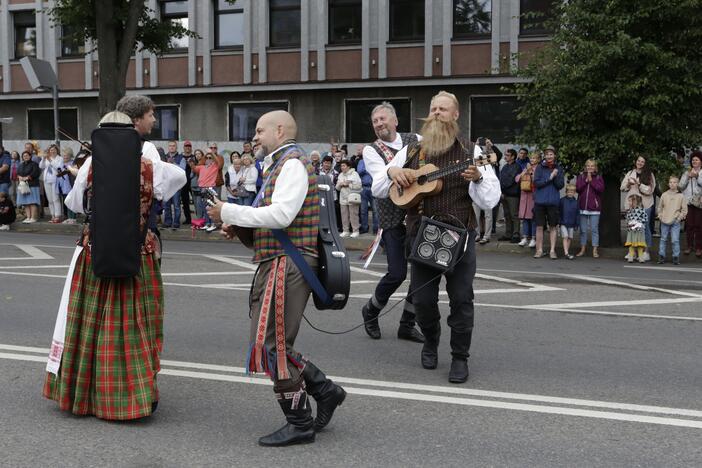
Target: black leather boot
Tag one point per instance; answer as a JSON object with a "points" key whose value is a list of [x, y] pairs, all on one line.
{"points": [[370, 320], [326, 393], [299, 429], [460, 344], [459, 370], [407, 330], [430, 350]]}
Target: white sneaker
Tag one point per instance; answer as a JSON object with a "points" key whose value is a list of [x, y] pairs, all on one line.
{"points": [[5, 227], [344, 234], [523, 242], [626, 257], [29, 221], [354, 234], [646, 258], [532, 243], [211, 228]]}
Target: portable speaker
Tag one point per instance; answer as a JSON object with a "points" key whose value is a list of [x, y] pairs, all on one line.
{"points": [[437, 245]]}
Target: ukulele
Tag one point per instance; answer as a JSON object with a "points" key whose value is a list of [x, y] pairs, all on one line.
{"points": [[245, 235], [428, 180]]}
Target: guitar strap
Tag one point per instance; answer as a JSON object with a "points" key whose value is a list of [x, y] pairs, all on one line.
{"points": [[422, 162]]}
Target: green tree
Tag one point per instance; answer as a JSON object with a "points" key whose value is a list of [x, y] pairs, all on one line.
{"points": [[117, 27], [619, 77]]}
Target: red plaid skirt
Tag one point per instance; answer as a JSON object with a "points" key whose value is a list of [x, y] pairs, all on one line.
{"points": [[114, 336]]}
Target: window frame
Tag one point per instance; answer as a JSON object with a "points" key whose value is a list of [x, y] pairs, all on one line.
{"points": [[330, 29], [61, 45], [217, 13], [158, 107], [15, 55], [163, 16], [471, 115], [463, 36], [537, 32], [230, 104], [271, 10], [376, 100], [51, 110], [392, 5]]}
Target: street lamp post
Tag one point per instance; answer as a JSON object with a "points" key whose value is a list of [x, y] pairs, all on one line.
{"points": [[41, 77]]}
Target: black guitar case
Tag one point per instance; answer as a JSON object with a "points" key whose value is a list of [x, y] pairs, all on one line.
{"points": [[115, 236], [334, 270]]}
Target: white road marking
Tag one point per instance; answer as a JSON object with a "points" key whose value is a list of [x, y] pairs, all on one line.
{"points": [[209, 273], [33, 252], [232, 261], [413, 389], [542, 308], [41, 275], [33, 267], [666, 268], [609, 282], [619, 303], [234, 287], [367, 272]]}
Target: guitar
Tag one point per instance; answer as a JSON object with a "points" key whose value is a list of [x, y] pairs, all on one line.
{"points": [[428, 180], [245, 235]]}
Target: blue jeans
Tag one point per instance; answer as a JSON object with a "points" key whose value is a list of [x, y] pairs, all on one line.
{"points": [[366, 204], [594, 222], [172, 203], [674, 231], [649, 235], [5, 187], [203, 207], [528, 228]]}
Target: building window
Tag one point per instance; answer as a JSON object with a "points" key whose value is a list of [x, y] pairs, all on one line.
{"points": [[167, 123], [40, 123], [25, 34], [243, 118], [471, 18], [345, 21], [229, 24], [359, 128], [534, 15], [72, 44], [495, 118], [406, 20], [284, 23], [176, 12]]}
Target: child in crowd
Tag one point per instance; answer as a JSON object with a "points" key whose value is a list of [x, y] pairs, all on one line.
{"points": [[526, 201], [636, 220], [568, 211], [671, 210], [7, 212]]}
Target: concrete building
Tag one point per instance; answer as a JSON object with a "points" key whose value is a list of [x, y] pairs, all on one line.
{"points": [[326, 61]]}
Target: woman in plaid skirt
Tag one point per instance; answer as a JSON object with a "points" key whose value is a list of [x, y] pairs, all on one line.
{"points": [[109, 331]]}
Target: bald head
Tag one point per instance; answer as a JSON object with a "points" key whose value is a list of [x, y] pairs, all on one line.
{"points": [[274, 128]]}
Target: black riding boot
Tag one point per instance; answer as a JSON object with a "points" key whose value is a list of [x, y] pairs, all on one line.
{"points": [[299, 429], [370, 319], [407, 330], [430, 350], [326, 393], [460, 344]]}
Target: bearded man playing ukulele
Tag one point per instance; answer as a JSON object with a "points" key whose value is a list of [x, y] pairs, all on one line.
{"points": [[442, 146]]}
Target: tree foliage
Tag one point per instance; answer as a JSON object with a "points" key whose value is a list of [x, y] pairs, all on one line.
{"points": [[619, 77], [118, 27]]}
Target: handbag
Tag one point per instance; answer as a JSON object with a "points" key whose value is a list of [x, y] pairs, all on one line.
{"points": [[354, 198], [696, 200], [525, 183], [23, 188]]}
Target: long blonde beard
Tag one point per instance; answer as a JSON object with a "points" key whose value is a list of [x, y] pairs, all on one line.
{"points": [[438, 136]]}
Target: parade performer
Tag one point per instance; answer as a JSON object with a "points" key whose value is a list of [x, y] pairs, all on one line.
{"points": [[289, 201], [392, 223], [108, 337], [442, 145]]}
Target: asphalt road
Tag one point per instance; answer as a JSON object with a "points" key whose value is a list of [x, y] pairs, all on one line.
{"points": [[574, 363]]}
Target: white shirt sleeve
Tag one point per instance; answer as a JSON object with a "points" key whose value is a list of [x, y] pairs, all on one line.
{"points": [[74, 200], [168, 178], [288, 196], [485, 194], [381, 182]]}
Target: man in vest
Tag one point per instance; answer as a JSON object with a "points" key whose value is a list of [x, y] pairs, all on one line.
{"points": [[288, 200], [441, 145], [376, 156]]}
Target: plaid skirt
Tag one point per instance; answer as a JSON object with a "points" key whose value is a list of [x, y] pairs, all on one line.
{"points": [[114, 337]]}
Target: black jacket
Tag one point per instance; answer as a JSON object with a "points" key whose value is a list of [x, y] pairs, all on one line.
{"points": [[31, 169], [508, 173]]}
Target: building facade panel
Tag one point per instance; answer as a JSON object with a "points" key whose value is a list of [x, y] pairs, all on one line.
{"points": [[405, 62], [173, 72], [131, 74], [71, 75], [526, 49], [19, 79], [227, 69], [470, 59], [283, 67], [344, 64]]}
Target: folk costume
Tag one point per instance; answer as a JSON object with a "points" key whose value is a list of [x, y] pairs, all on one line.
{"points": [[109, 331], [393, 233], [289, 201], [453, 202], [636, 221]]}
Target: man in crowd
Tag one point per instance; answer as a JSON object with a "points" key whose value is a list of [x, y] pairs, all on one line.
{"points": [[290, 201], [523, 159], [442, 145], [366, 196], [376, 157], [510, 196], [186, 190], [5, 164], [247, 150], [171, 216]]}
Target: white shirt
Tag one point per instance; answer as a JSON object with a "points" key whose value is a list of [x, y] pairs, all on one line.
{"points": [[485, 194], [288, 196], [377, 169], [168, 179]]}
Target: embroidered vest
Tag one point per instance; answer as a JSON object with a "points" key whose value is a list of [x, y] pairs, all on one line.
{"points": [[304, 228], [390, 214], [453, 198]]}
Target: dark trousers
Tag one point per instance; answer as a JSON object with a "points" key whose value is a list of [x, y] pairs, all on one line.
{"points": [[459, 286], [185, 200], [394, 239], [510, 206]]}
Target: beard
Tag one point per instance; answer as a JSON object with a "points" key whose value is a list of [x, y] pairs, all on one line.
{"points": [[438, 136]]}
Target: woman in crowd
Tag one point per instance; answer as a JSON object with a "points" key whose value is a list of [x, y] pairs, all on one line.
{"points": [[526, 201], [50, 165], [250, 178], [549, 179], [590, 186], [15, 157], [234, 179], [28, 175], [641, 181], [207, 179], [198, 159], [349, 186], [64, 183], [691, 187]]}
